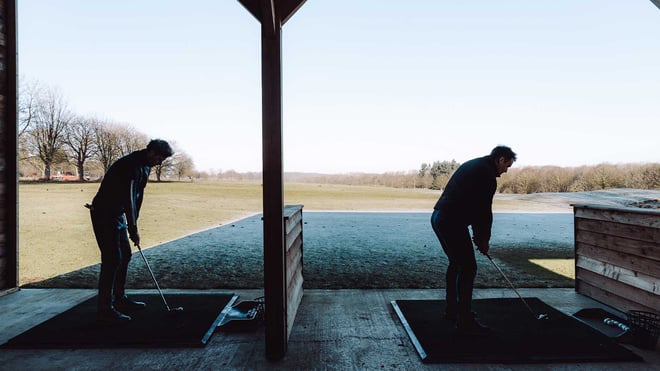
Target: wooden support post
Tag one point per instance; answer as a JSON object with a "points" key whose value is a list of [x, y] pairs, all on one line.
{"points": [[272, 14], [273, 195], [8, 150]]}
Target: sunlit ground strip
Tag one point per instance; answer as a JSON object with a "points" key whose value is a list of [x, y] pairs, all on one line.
{"points": [[564, 267]]}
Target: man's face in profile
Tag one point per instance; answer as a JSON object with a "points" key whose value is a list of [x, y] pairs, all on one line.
{"points": [[503, 165], [154, 159]]}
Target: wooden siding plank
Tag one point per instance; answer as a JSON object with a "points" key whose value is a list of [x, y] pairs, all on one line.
{"points": [[296, 280], [620, 216], [615, 301], [294, 298], [643, 249], [296, 233], [292, 217], [293, 260], [613, 287], [645, 266], [289, 210], [626, 276], [632, 232], [297, 244], [295, 252]]}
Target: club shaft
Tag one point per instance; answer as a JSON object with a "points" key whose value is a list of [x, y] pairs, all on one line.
{"points": [[510, 284], [153, 277]]}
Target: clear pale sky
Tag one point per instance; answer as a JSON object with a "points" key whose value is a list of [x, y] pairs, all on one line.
{"points": [[368, 85]]}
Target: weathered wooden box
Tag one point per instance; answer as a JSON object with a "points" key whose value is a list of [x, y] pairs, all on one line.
{"points": [[293, 235], [617, 256]]}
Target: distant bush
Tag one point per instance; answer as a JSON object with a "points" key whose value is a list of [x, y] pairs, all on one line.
{"points": [[535, 179], [530, 179]]}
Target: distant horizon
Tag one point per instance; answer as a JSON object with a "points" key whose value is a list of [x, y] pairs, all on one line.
{"points": [[514, 167], [369, 86]]}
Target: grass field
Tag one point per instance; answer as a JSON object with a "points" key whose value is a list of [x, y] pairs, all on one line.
{"points": [[57, 246], [55, 234]]}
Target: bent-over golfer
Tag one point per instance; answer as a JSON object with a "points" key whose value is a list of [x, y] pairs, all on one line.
{"points": [[467, 201], [114, 211]]}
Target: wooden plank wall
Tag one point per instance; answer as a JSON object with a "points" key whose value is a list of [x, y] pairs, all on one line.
{"points": [[8, 140], [293, 234], [617, 256]]}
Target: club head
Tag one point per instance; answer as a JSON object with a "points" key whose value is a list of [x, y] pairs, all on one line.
{"points": [[542, 316], [176, 310]]}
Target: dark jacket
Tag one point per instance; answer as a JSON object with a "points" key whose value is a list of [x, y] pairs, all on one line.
{"points": [[116, 195], [468, 197]]}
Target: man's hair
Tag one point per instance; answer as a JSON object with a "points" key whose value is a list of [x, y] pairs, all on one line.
{"points": [[502, 151], [160, 147]]}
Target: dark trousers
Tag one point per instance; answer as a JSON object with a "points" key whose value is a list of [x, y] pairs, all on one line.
{"points": [[457, 245], [112, 239]]}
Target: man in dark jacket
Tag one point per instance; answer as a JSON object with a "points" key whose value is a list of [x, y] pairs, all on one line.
{"points": [[114, 211], [467, 201]]}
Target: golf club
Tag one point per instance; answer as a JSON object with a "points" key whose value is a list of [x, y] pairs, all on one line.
{"points": [[537, 316], [170, 310]]}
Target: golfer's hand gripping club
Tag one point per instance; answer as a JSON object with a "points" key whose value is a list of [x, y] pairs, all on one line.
{"points": [[134, 235], [482, 246]]}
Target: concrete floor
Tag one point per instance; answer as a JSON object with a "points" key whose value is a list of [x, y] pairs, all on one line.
{"points": [[334, 329]]}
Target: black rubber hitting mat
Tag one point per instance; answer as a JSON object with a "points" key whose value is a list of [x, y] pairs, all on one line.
{"points": [[516, 336], [151, 327]]}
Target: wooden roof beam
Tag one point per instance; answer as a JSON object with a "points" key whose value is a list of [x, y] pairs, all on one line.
{"points": [[279, 11]]}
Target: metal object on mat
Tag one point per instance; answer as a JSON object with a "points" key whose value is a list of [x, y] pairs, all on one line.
{"points": [[537, 316], [244, 316], [171, 310], [608, 323]]}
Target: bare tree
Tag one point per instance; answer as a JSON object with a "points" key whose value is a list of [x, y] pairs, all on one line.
{"points": [[166, 165], [603, 176], [29, 93], [182, 164], [169, 164], [106, 146], [80, 142], [650, 175], [45, 133], [28, 98], [130, 140]]}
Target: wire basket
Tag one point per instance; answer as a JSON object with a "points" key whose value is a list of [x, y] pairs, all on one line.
{"points": [[645, 328]]}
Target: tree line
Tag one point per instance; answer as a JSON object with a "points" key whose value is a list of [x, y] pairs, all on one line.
{"points": [[536, 179], [529, 179], [50, 135]]}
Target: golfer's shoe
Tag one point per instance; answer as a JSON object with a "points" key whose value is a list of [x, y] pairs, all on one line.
{"points": [[124, 304], [471, 326], [112, 316]]}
